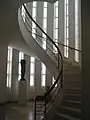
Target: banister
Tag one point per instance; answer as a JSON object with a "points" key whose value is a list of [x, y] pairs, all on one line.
{"points": [[60, 68]]}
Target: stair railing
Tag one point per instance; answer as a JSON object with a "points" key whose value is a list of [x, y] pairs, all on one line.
{"points": [[44, 102]]}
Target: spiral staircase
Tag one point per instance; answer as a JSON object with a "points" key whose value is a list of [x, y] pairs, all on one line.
{"points": [[66, 91]]}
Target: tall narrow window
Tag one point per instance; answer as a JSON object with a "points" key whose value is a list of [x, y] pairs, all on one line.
{"points": [[32, 71], [43, 75], [34, 17], [21, 56], [23, 12], [9, 67], [44, 25], [43, 67], [55, 25], [76, 32], [66, 32]]}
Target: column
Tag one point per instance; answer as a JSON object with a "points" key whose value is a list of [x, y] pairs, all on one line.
{"points": [[61, 24], [39, 19], [48, 78], [3, 72], [37, 76], [72, 30], [50, 14], [14, 83], [85, 37], [27, 73]]}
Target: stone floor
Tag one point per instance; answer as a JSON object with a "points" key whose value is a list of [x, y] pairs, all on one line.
{"points": [[17, 112]]}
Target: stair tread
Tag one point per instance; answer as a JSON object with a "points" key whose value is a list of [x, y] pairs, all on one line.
{"points": [[69, 108], [69, 117], [78, 102], [78, 89], [58, 117], [66, 94]]}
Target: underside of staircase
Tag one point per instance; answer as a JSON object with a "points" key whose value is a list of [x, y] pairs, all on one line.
{"points": [[70, 107]]}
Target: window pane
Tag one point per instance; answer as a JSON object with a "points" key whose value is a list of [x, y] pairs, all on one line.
{"points": [[45, 23], [19, 77], [67, 32], [43, 69], [21, 56], [67, 10], [45, 30], [34, 18], [44, 45], [45, 4], [7, 80], [56, 12], [34, 4], [32, 59], [19, 72], [9, 67], [45, 12], [34, 12], [56, 23], [33, 25], [76, 32], [33, 30], [43, 81], [32, 68], [56, 33], [33, 33], [67, 19], [67, 2], [44, 35], [8, 54], [31, 80], [56, 4]]}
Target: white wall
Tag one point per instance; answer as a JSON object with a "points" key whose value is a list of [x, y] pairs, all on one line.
{"points": [[85, 37], [14, 82], [3, 71]]}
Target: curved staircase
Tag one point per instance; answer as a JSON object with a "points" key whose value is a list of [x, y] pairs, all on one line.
{"points": [[64, 105]]}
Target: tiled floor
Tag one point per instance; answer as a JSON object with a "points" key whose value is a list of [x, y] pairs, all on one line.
{"points": [[17, 112]]}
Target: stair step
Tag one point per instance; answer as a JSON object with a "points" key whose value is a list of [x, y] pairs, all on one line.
{"points": [[72, 104], [71, 86], [58, 117], [72, 91], [71, 82], [72, 76], [70, 111], [68, 117], [72, 97]]}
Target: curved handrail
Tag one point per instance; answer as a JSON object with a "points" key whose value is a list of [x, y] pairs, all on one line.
{"points": [[59, 79]]}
